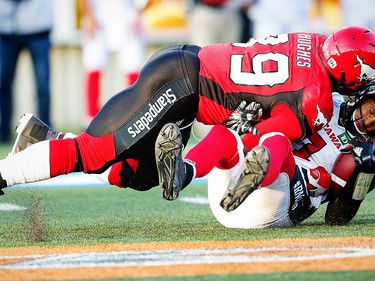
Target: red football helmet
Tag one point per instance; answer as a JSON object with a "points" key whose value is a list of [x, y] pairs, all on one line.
{"points": [[349, 56]]}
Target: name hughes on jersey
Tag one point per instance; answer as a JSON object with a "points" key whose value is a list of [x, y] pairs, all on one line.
{"points": [[152, 112], [304, 47]]}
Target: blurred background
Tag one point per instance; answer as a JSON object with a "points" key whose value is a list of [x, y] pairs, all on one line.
{"points": [[165, 22]]}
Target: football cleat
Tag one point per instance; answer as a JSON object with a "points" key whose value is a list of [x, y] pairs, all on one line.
{"points": [[253, 172], [169, 162], [32, 130]]}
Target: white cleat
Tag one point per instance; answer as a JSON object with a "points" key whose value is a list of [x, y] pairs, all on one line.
{"points": [[30, 131]]}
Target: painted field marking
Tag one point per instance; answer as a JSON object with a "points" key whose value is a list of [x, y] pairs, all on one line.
{"points": [[181, 257], [11, 207], [195, 200], [75, 180]]}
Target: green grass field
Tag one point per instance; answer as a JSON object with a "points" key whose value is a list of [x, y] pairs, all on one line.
{"points": [[110, 215], [97, 215]]}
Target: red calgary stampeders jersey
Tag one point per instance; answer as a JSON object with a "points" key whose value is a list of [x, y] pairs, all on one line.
{"points": [[277, 69]]}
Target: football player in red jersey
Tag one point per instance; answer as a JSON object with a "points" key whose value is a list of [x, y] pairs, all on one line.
{"points": [[292, 76], [297, 181]]}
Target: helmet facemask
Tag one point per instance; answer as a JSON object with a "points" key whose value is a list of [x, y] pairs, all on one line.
{"points": [[354, 102]]}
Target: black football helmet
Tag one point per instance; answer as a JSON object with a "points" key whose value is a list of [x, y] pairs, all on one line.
{"points": [[355, 101]]}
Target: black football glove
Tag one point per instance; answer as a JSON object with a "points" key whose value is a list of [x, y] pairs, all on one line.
{"points": [[243, 119], [363, 152]]}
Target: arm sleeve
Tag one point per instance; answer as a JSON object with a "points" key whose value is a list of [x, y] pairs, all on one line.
{"points": [[282, 120]]}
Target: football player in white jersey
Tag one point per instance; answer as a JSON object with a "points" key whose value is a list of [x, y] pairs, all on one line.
{"points": [[290, 198]]}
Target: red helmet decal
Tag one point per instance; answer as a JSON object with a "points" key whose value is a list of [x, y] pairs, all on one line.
{"points": [[320, 120], [365, 69], [349, 53]]}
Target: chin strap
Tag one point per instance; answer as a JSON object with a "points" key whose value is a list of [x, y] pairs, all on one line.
{"points": [[343, 114], [342, 84], [345, 120]]}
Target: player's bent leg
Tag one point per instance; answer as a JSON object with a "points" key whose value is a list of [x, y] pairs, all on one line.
{"points": [[47, 159], [253, 172], [32, 130], [113, 174], [166, 91], [96, 154], [282, 159], [169, 162], [265, 207], [220, 147]]}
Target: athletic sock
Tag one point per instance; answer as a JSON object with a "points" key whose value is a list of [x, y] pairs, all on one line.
{"points": [[189, 173], [63, 156], [219, 149], [281, 158]]}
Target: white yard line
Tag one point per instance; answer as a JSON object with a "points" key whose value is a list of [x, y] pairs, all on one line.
{"points": [[182, 257]]}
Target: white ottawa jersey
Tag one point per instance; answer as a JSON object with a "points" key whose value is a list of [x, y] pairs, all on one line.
{"points": [[285, 202], [322, 149]]}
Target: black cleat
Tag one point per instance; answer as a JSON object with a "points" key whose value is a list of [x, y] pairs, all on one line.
{"points": [[169, 162]]}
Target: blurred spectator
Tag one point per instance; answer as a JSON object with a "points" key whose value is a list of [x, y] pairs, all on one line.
{"points": [[110, 26], [24, 25], [217, 21], [360, 13], [247, 24], [277, 17], [326, 16]]}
